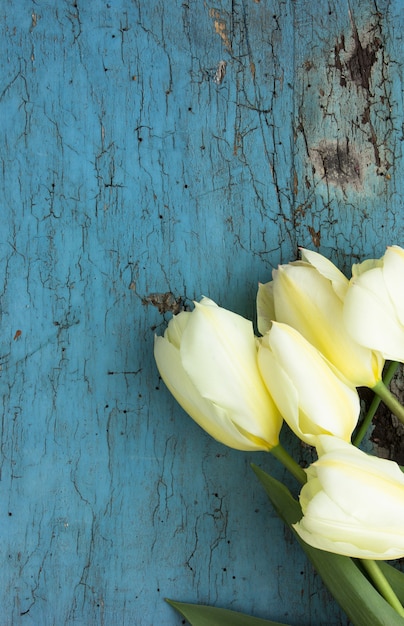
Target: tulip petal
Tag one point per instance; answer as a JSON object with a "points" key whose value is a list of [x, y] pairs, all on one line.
{"points": [[384, 545], [393, 275], [326, 446], [370, 318], [298, 301], [327, 269], [281, 389], [218, 352], [216, 363], [319, 506], [325, 402], [365, 266], [305, 300], [212, 419], [265, 307], [176, 328], [353, 503], [353, 497]]}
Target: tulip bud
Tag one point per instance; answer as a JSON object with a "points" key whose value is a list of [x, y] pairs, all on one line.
{"points": [[310, 396], [309, 295], [353, 503], [208, 360], [374, 304]]}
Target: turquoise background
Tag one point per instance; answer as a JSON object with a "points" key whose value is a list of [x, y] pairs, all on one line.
{"points": [[153, 152]]}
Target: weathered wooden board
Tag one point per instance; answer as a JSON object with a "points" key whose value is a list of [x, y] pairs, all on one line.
{"points": [[348, 115], [153, 152]]}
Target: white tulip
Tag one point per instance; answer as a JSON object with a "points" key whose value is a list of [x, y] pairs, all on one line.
{"points": [[309, 394], [353, 503], [208, 360], [309, 296], [374, 304]]}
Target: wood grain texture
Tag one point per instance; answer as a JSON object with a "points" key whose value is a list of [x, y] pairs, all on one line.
{"points": [[153, 152]]}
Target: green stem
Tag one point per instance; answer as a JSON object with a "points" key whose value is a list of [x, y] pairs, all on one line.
{"points": [[387, 378], [389, 400], [381, 584], [289, 462]]}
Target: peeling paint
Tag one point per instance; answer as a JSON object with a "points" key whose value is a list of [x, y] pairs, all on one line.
{"points": [[362, 60], [220, 73], [315, 236], [347, 113], [355, 59], [338, 163], [34, 20], [220, 26], [165, 302]]}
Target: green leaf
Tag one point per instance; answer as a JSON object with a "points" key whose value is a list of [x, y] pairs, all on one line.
{"points": [[200, 615], [349, 586]]}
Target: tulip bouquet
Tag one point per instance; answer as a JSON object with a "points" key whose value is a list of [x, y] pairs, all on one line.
{"points": [[322, 335]]}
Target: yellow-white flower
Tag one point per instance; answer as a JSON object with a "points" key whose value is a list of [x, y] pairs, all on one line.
{"points": [[374, 304], [309, 394], [208, 360], [353, 503], [309, 296]]}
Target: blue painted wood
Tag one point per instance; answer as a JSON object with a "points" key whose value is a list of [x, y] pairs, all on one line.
{"points": [[349, 111], [149, 149]]}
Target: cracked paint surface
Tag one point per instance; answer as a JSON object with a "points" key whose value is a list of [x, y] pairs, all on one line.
{"points": [[154, 153], [349, 108]]}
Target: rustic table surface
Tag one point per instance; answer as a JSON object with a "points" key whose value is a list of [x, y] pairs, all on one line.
{"points": [[153, 152]]}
